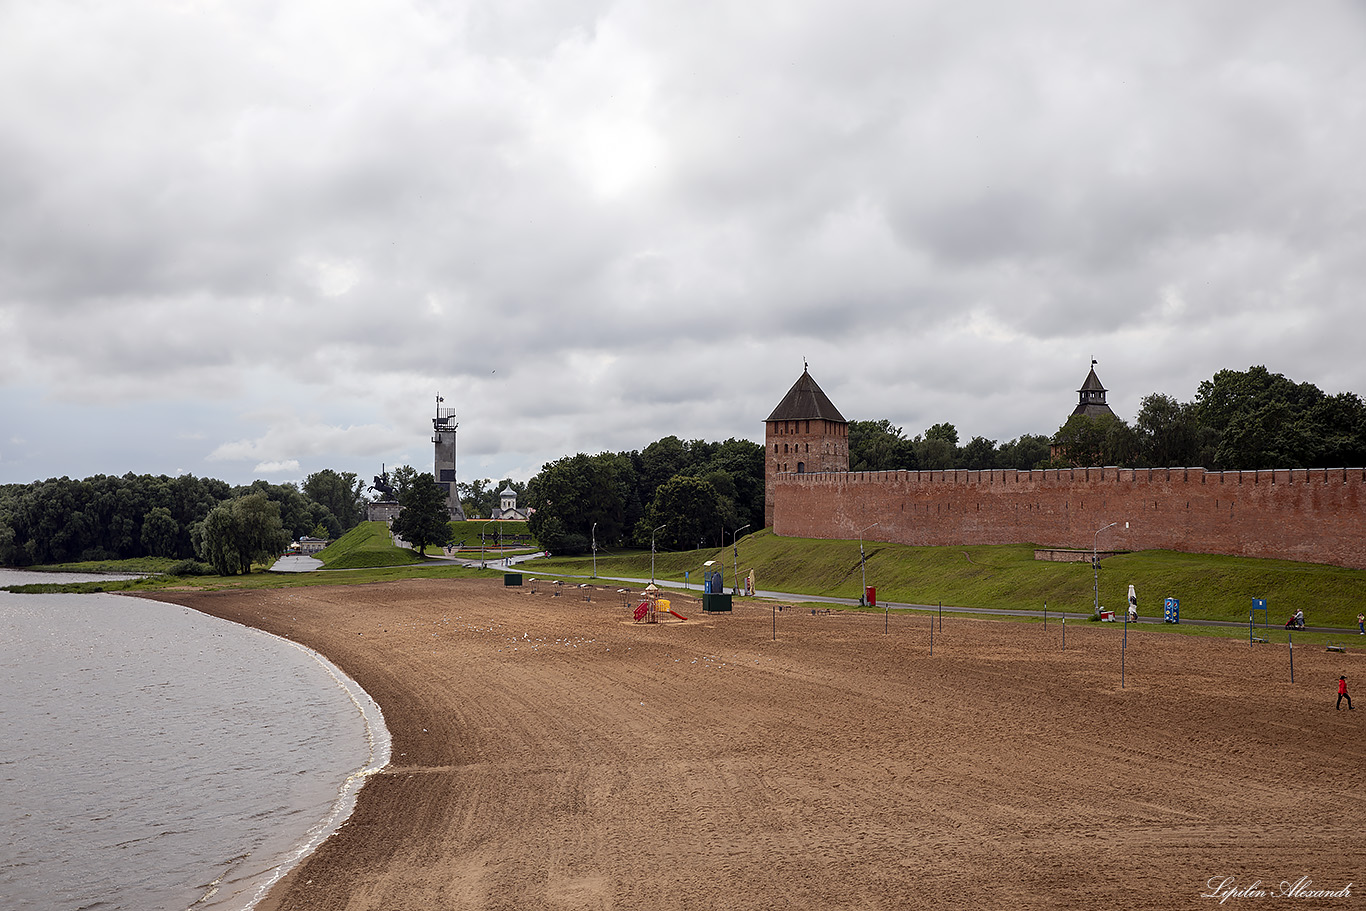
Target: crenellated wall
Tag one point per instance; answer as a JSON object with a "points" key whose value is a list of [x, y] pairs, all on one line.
{"points": [[1313, 515]]}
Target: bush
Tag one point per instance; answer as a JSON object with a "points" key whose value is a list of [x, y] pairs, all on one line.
{"points": [[189, 568]]}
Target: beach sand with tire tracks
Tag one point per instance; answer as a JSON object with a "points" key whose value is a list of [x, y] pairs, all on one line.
{"points": [[549, 753]]}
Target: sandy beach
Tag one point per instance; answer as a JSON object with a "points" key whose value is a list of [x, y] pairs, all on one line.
{"points": [[549, 753]]}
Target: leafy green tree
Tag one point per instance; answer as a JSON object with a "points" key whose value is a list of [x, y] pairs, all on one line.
{"points": [[946, 432], [402, 478], [1025, 452], [482, 497], [743, 462], [1341, 422], [879, 446], [240, 532], [581, 491], [688, 508], [8, 552], [423, 519], [659, 462], [341, 492], [215, 541], [1094, 441], [474, 497], [161, 533], [1168, 432], [979, 454]]}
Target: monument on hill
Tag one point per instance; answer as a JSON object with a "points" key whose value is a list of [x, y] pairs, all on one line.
{"points": [[443, 437]]}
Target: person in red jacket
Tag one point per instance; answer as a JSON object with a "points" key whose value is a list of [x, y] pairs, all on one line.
{"points": [[1342, 694]]}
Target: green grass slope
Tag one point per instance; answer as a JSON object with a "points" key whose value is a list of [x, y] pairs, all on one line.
{"points": [[365, 546], [1008, 576], [468, 532]]}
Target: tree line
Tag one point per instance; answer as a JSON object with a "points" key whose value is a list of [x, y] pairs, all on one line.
{"points": [[674, 493], [104, 517], [1238, 420]]}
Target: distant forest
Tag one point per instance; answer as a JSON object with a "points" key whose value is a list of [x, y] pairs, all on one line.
{"points": [[115, 518], [678, 494]]}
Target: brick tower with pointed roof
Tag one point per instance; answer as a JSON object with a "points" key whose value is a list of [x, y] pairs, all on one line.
{"points": [[805, 433]]}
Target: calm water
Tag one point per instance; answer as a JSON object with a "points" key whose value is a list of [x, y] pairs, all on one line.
{"points": [[152, 757]]}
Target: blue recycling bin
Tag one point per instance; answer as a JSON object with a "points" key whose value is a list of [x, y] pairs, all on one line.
{"points": [[1171, 611]]}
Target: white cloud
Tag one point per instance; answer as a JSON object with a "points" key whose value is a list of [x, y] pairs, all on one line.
{"points": [[274, 468]]}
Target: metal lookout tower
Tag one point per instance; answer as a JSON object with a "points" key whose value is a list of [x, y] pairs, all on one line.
{"points": [[443, 437]]}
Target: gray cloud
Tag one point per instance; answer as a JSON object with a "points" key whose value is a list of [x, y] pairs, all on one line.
{"points": [[265, 237]]}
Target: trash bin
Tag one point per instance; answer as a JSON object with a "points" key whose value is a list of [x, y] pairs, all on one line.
{"points": [[512, 579], [1171, 611], [870, 596]]}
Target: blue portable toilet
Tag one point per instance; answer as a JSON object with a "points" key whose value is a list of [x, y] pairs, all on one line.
{"points": [[1171, 611]]}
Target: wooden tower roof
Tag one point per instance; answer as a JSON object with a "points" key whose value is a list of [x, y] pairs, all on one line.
{"points": [[806, 402]]}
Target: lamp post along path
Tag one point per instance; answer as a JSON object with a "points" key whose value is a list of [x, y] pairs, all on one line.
{"points": [[1095, 564], [735, 557], [863, 595], [652, 552]]}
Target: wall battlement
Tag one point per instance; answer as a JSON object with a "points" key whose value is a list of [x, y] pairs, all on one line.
{"points": [[1313, 515]]}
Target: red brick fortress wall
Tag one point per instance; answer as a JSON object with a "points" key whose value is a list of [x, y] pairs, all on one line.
{"points": [[817, 445], [1313, 515]]}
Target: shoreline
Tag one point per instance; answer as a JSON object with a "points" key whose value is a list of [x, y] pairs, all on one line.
{"points": [[549, 753], [379, 743]]}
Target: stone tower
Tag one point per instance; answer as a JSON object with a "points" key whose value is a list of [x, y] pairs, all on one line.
{"points": [[443, 436], [805, 433]]}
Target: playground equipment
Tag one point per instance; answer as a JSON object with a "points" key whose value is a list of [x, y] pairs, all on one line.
{"points": [[648, 610]]}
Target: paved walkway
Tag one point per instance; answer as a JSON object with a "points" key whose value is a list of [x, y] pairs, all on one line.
{"points": [[295, 563]]}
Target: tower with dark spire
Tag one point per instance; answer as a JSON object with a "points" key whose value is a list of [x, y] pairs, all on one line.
{"points": [[1091, 396], [806, 433]]}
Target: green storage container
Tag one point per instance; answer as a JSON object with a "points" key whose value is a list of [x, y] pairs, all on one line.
{"points": [[715, 602], [512, 578]]}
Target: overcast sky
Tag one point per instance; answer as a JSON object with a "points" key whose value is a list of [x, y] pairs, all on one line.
{"points": [[255, 239]]}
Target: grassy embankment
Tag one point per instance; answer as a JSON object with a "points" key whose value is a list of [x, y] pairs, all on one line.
{"points": [[1007, 576], [368, 545], [1209, 587], [466, 537]]}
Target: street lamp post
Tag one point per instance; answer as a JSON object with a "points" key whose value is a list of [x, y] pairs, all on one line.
{"points": [[863, 595], [652, 553], [1095, 564], [595, 550], [481, 544], [735, 557]]}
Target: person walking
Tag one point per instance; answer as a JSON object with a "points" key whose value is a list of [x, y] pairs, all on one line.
{"points": [[1342, 694], [1361, 624]]}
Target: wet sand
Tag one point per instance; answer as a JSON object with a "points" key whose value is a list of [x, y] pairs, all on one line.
{"points": [[548, 753]]}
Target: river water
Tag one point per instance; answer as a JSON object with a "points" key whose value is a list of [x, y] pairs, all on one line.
{"points": [[152, 757]]}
